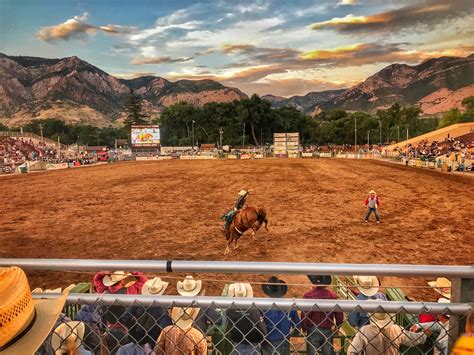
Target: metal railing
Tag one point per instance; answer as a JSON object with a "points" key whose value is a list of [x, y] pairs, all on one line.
{"points": [[117, 323], [245, 267]]}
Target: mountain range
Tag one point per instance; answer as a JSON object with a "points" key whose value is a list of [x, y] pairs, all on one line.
{"points": [[75, 91]]}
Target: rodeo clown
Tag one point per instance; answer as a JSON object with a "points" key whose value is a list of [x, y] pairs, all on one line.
{"points": [[228, 217]]}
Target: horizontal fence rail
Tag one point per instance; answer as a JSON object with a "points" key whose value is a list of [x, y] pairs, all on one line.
{"points": [[264, 303], [243, 267]]}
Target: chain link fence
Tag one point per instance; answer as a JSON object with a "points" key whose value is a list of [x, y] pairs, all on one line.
{"points": [[130, 324]]}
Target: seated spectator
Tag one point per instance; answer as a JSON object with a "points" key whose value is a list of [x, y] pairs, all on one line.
{"points": [[130, 283], [116, 334], [67, 339], [382, 336], [441, 327], [138, 342], [465, 343], [368, 287], [441, 286], [246, 327], [153, 318], [181, 338], [91, 317], [320, 327], [279, 323]]}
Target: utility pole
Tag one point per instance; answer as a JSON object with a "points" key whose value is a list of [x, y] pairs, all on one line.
{"points": [[355, 132], [407, 133], [368, 139], [59, 148], [193, 132], [41, 131], [398, 134], [221, 132], [380, 134], [243, 137]]}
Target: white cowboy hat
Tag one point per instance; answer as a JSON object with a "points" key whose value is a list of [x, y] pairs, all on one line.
{"points": [[372, 192], [442, 285], [26, 322], [154, 287], [184, 317], [381, 319], [367, 285], [189, 286], [68, 336], [240, 289], [115, 277], [242, 192]]}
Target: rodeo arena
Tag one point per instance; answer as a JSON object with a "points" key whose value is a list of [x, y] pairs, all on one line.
{"points": [[142, 249]]}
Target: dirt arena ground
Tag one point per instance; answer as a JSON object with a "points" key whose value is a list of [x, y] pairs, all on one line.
{"points": [[171, 209]]}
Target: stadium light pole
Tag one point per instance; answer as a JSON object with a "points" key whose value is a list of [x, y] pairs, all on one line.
{"points": [[221, 132], [355, 132], [380, 134], [193, 132]]}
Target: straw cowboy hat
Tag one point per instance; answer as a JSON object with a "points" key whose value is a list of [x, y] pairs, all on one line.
{"points": [[154, 287], [189, 286], [242, 192], [381, 319], [320, 279], [25, 322], [240, 289], [184, 317], [442, 285], [372, 192], [68, 336], [116, 277], [275, 287], [367, 285]]}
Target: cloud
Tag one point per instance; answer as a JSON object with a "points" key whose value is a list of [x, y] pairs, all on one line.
{"points": [[132, 75], [429, 13], [348, 2], [159, 60], [77, 27]]}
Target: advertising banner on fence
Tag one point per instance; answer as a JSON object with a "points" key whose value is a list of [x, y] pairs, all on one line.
{"points": [[145, 136]]}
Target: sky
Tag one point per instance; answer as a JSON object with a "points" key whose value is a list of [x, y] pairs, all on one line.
{"points": [[280, 47]]}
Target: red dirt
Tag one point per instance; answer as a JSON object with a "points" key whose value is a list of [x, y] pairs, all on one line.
{"points": [[171, 209]]}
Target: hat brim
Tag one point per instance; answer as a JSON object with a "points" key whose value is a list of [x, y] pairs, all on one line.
{"points": [[47, 313], [434, 285], [382, 323], [183, 292], [184, 323]]}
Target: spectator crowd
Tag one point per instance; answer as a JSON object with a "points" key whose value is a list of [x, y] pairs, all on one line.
{"points": [[16, 151], [155, 329]]}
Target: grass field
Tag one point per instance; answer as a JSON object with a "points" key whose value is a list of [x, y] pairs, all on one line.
{"points": [[171, 209]]}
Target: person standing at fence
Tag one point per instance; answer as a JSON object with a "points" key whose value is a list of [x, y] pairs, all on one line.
{"points": [[368, 287], [382, 336], [181, 337], [319, 326], [372, 203], [279, 323], [246, 327]]}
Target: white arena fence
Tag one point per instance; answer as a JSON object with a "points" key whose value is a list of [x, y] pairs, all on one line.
{"points": [[236, 325]]}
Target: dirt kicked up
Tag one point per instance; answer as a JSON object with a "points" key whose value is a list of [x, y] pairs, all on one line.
{"points": [[171, 210]]}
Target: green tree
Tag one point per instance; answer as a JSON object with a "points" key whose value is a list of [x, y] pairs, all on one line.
{"points": [[133, 107], [451, 117]]}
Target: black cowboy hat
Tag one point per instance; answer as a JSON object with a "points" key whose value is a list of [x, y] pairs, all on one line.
{"points": [[275, 288], [320, 279]]}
